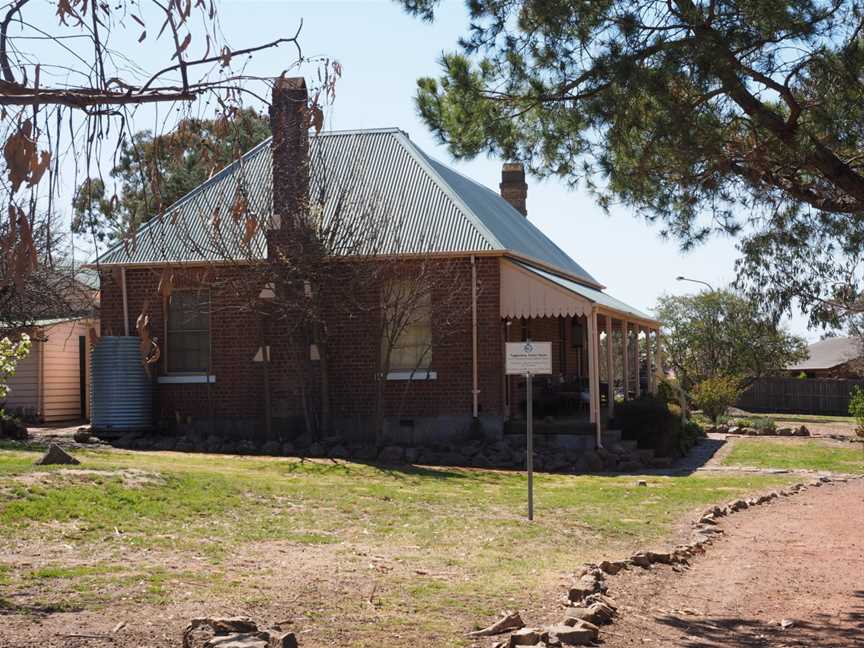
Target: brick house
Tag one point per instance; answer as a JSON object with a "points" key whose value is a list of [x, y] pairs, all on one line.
{"points": [[514, 284]]}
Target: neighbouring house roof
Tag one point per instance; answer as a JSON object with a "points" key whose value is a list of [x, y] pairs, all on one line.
{"points": [[828, 353], [53, 321], [437, 209]]}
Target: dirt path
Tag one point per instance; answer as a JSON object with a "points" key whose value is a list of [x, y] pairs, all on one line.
{"points": [[800, 559]]}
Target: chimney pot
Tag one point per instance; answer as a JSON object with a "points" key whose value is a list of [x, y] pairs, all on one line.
{"points": [[513, 187]]}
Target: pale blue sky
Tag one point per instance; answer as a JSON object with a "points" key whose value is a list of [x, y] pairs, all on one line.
{"points": [[383, 51]]}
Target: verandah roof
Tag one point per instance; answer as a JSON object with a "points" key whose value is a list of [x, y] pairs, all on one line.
{"points": [[527, 291]]}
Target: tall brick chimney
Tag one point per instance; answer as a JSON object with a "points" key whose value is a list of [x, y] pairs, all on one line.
{"points": [[290, 149], [513, 187]]}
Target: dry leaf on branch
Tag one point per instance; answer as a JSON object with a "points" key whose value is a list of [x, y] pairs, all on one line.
{"points": [[23, 163]]}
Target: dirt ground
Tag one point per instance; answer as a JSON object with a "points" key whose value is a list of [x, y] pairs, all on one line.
{"points": [[799, 560]]}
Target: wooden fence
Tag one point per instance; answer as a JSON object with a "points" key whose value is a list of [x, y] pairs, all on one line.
{"points": [[799, 396]]}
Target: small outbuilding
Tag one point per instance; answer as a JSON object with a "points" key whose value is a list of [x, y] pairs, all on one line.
{"points": [[52, 384]]}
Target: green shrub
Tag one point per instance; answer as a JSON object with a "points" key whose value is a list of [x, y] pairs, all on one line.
{"points": [[11, 427], [688, 435], [715, 395], [667, 391], [764, 424], [655, 424], [856, 408]]}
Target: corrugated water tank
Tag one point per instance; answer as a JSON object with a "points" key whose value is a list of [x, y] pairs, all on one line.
{"points": [[122, 392]]}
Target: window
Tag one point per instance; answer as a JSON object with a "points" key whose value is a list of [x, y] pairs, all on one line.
{"points": [[188, 329], [410, 317]]}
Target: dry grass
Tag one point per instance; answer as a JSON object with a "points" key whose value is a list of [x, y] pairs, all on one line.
{"points": [[351, 554]]}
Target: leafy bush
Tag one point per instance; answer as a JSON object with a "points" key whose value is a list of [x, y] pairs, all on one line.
{"points": [[653, 423], [715, 395], [12, 428], [667, 391], [856, 408], [10, 353], [688, 435], [764, 424]]}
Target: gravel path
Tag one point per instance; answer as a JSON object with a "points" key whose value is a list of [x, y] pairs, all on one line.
{"points": [[800, 559]]}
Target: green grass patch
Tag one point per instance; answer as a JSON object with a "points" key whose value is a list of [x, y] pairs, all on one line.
{"points": [[466, 528], [76, 571], [801, 418], [796, 455]]}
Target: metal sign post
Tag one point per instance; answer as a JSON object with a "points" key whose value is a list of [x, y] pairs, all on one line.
{"points": [[529, 451], [529, 359]]}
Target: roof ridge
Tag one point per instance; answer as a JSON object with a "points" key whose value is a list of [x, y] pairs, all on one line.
{"points": [[360, 131], [424, 161]]}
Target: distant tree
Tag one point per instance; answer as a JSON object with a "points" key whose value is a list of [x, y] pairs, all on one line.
{"points": [[51, 287], [715, 395], [153, 172], [739, 117], [721, 333]]}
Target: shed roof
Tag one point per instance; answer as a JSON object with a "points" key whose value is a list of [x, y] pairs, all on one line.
{"points": [[828, 353], [437, 209]]}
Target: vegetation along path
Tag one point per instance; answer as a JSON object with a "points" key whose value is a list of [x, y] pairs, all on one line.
{"points": [[787, 574]]}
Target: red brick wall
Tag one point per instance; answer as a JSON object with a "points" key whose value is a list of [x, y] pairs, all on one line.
{"points": [[234, 341], [353, 349], [356, 349]]}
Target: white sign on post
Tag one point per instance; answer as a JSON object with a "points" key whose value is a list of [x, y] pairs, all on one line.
{"points": [[528, 358]]}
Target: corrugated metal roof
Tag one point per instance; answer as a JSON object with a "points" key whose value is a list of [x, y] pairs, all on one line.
{"points": [[830, 352], [511, 230], [427, 207], [592, 295]]}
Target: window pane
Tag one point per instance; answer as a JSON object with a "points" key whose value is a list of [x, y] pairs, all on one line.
{"points": [[188, 331], [415, 338], [189, 310]]}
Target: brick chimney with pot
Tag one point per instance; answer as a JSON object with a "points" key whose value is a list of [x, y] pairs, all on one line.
{"points": [[513, 187]]}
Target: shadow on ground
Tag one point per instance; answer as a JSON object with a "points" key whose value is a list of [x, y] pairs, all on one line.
{"points": [[826, 630]]}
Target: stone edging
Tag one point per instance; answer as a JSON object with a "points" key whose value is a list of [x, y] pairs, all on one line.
{"points": [[588, 604]]}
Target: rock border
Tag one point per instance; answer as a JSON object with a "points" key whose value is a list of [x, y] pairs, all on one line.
{"points": [[505, 453], [800, 431], [588, 605]]}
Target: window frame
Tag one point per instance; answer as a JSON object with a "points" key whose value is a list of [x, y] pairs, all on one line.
{"points": [[422, 370], [167, 329]]}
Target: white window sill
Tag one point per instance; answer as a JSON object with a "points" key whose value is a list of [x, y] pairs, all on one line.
{"points": [[185, 380], [420, 374]]}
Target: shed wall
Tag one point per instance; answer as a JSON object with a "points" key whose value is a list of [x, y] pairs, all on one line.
{"points": [[61, 384], [23, 396]]}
